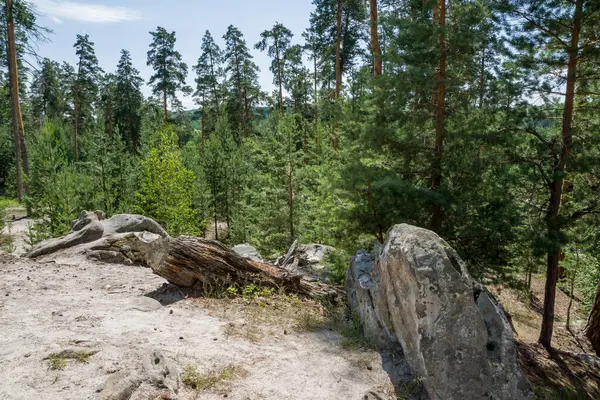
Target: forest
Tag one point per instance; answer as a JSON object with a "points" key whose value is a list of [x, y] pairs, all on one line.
{"points": [[477, 119]]}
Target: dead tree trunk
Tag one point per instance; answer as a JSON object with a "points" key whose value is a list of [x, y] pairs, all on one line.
{"points": [[196, 262]]}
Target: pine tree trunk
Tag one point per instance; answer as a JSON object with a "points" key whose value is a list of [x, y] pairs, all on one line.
{"points": [[482, 79], [552, 217], [316, 98], [76, 122], [571, 295], [279, 77], [203, 130], [17, 122], [593, 326], [439, 112], [165, 110], [291, 202], [338, 51], [375, 47]]}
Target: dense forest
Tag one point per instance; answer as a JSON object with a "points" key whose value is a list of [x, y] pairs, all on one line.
{"points": [[475, 118]]}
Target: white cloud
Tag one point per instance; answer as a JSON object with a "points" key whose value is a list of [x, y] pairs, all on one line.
{"points": [[85, 12], [56, 20]]}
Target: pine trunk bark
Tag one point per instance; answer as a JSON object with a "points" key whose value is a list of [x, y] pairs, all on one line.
{"points": [[316, 99], [338, 51], [279, 78], [14, 98], [291, 202], [593, 326], [375, 47], [439, 113], [165, 110], [76, 122], [552, 216], [203, 130]]}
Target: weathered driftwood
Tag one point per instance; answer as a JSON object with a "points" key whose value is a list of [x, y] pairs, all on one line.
{"points": [[196, 262]]}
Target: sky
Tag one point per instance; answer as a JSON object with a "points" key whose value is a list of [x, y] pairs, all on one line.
{"points": [[114, 25]]}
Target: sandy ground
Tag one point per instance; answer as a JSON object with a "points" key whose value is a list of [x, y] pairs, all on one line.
{"points": [[46, 307]]}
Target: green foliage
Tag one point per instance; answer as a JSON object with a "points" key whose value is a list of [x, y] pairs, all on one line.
{"points": [[251, 291], [169, 69], [242, 84], [128, 102], [164, 191], [54, 196]]}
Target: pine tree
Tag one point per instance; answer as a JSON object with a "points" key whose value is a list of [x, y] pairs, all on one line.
{"points": [[46, 96], [276, 41], [330, 17], [169, 69], [107, 95], [558, 36], [128, 102], [243, 80], [85, 90], [165, 193], [297, 79], [209, 73]]}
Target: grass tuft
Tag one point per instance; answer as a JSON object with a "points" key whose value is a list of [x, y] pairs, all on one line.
{"points": [[216, 380]]}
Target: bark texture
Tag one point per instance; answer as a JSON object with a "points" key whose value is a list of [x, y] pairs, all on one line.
{"points": [[375, 47], [193, 261]]}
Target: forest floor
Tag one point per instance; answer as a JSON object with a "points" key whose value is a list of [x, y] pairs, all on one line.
{"points": [[571, 370], [68, 324], [276, 347]]}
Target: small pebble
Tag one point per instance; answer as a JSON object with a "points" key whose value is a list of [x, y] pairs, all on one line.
{"points": [[171, 312], [180, 337]]}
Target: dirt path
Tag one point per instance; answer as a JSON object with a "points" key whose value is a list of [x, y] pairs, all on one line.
{"points": [[47, 307]]}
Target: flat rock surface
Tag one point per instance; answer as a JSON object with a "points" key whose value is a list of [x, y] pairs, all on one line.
{"points": [[46, 308]]}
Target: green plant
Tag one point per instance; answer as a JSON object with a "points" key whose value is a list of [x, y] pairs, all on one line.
{"points": [[353, 334], [338, 261], [7, 240], [213, 379], [253, 291], [232, 291], [407, 388], [57, 361], [37, 232]]}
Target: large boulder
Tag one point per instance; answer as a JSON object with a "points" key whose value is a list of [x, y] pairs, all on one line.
{"points": [[416, 291]]}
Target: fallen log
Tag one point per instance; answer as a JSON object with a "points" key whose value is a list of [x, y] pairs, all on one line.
{"points": [[196, 262], [189, 262]]}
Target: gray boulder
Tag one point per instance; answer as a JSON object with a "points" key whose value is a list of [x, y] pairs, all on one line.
{"points": [[248, 251], [456, 339]]}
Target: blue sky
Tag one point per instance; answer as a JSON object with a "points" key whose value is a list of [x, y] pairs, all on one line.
{"points": [[114, 25]]}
